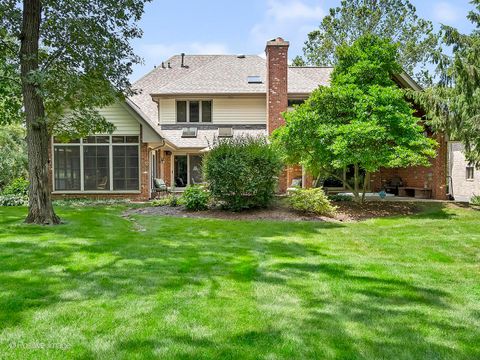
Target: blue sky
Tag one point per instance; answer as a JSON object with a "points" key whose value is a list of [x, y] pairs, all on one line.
{"points": [[243, 27]]}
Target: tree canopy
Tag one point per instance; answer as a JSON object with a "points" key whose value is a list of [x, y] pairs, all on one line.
{"points": [[13, 153], [362, 119], [393, 19], [59, 62], [453, 105]]}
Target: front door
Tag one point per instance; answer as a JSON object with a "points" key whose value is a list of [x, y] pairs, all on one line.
{"points": [[180, 171]]}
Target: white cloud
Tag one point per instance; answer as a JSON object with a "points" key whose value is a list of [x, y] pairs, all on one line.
{"points": [[290, 19], [445, 12]]}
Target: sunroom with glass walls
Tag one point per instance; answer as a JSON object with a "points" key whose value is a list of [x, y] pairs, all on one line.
{"points": [[97, 164]]}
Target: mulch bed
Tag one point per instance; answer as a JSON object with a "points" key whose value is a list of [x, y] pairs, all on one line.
{"points": [[346, 212]]}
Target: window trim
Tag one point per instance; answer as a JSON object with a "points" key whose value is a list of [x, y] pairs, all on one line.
{"points": [[470, 167], [187, 154], [200, 111], [81, 144]]}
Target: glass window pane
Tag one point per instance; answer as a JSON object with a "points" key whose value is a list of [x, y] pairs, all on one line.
{"points": [[103, 139], [196, 169], [125, 167], [96, 168], [89, 140], [206, 111], [118, 139], [67, 167], [181, 111], [132, 139], [68, 141], [194, 111]]}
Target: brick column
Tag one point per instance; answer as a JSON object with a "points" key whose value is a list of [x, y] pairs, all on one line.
{"points": [[277, 91]]}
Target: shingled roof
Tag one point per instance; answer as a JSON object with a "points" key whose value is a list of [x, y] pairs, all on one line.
{"points": [[218, 74]]}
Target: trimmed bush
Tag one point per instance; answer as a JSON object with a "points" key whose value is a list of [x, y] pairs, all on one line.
{"points": [[13, 200], [195, 198], [242, 172], [312, 201], [18, 186]]}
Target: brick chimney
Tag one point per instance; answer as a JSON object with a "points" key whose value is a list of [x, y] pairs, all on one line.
{"points": [[277, 82]]}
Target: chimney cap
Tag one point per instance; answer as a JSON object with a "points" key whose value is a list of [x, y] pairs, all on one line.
{"points": [[278, 42]]}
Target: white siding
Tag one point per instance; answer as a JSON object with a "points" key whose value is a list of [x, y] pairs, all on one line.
{"points": [[236, 111], [462, 189], [167, 111], [124, 122], [239, 111]]}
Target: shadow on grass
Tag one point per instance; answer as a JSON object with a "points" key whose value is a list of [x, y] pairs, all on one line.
{"points": [[100, 256]]}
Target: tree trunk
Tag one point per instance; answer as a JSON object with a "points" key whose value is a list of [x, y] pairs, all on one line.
{"points": [[356, 190], [366, 180], [40, 209]]}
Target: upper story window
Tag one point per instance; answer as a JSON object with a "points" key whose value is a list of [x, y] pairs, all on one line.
{"points": [[470, 171], [293, 102], [194, 111]]}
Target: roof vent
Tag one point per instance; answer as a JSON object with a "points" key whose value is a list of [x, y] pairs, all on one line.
{"points": [[189, 132], [183, 60], [224, 132], [254, 79], [241, 56]]}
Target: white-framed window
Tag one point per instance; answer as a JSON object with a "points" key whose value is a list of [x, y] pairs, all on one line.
{"points": [[470, 171], [194, 111], [103, 163]]}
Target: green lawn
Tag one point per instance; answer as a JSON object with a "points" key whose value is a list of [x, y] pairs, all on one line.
{"points": [[102, 286]]}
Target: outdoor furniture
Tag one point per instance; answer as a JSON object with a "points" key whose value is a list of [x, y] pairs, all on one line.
{"points": [[160, 187], [102, 185], [296, 184], [392, 185], [416, 192]]}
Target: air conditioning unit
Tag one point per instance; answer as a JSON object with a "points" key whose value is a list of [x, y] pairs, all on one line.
{"points": [[189, 132]]}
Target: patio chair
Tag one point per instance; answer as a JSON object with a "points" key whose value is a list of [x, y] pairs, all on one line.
{"points": [[296, 184], [159, 187], [102, 185]]}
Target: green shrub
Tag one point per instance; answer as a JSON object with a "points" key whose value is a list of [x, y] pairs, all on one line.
{"points": [[475, 200], [174, 200], [196, 198], [18, 186], [311, 201], [340, 198], [13, 153], [164, 201], [170, 200], [242, 172], [13, 200]]}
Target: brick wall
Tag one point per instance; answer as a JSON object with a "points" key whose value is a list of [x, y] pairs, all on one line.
{"points": [[167, 167], [277, 93], [277, 82], [433, 177]]}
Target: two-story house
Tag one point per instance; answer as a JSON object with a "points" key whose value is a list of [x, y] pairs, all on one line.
{"points": [[186, 104]]}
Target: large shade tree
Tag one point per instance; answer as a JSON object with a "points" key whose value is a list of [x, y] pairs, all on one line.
{"points": [[58, 55], [393, 19], [453, 105], [361, 120]]}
